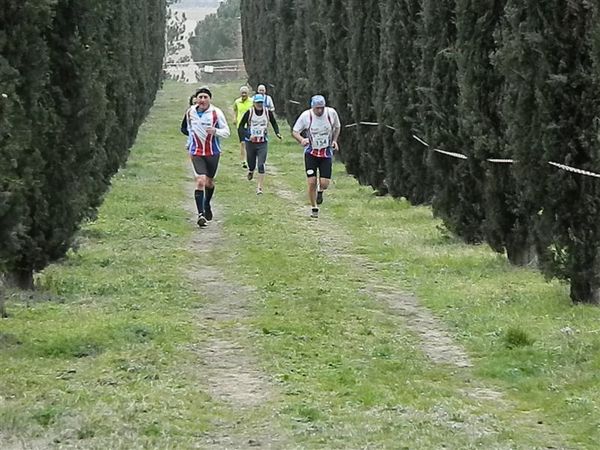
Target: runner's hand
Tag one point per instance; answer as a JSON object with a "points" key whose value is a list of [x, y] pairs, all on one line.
{"points": [[211, 130], [304, 142], [279, 136], [335, 146]]}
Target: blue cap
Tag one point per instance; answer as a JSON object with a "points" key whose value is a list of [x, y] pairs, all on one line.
{"points": [[318, 101], [258, 98]]}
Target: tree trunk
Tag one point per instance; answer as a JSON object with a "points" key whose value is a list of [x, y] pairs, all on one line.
{"points": [[2, 308], [20, 279], [3, 313], [522, 255], [583, 292]]}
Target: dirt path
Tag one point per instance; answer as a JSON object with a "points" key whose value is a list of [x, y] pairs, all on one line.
{"points": [[229, 370]]}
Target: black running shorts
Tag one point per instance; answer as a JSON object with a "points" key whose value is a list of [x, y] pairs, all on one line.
{"points": [[324, 166], [242, 135], [206, 165]]}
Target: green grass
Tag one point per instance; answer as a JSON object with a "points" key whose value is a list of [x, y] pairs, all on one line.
{"points": [[522, 332], [104, 361], [108, 359]]}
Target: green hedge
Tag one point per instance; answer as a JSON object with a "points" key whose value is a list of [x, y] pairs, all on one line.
{"points": [[497, 79], [77, 79]]}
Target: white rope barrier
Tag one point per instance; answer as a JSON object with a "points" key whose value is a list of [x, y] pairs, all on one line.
{"points": [[420, 140], [452, 154], [501, 161], [464, 157], [574, 169]]}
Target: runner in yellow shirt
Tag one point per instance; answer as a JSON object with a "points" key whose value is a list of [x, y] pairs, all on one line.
{"points": [[240, 107]]}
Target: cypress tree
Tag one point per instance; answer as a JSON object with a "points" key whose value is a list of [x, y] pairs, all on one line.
{"points": [[517, 62], [23, 68], [568, 229], [406, 168], [456, 200], [78, 85], [365, 160], [249, 17], [281, 86], [481, 87], [316, 44], [335, 64], [298, 89], [259, 26], [550, 106]]}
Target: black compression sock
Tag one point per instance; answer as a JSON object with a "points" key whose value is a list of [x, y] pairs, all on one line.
{"points": [[209, 194], [199, 196]]}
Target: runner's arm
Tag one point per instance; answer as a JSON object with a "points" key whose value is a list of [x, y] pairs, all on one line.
{"points": [[235, 107], [300, 125], [274, 124], [337, 128], [184, 125], [244, 122], [223, 130], [336, 133], [298, 137], [271, 104]]}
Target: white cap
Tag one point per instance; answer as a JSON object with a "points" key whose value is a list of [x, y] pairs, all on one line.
{"points": [[318, 101]]}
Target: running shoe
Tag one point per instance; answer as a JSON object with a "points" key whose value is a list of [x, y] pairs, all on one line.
{"points": [[244, 165], [259, 191], [314, 213], [250, 176], [201, 221]]}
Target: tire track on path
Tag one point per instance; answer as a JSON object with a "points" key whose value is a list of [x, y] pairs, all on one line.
{"points": [[230, 372]]}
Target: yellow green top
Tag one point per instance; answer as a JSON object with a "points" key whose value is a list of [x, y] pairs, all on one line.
{"points": [[241, 107]]}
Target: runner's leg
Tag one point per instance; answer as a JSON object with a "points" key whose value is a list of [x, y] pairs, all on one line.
{"points": [[242, 138], [325, 172], [200, 171], [212, 164], [310, 164], [261, 155], [199, 193], [251, 150], [243, 154]]}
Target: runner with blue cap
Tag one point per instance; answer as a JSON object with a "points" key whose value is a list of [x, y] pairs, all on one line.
{"points": [[321, 125], [253, 126]]}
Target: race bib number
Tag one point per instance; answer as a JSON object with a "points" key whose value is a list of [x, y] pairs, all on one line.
{"points": [[257, 132], [320, 141]]}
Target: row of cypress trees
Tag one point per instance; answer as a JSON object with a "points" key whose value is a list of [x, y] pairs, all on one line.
{"points": [[76, 80], [502, 79]]}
